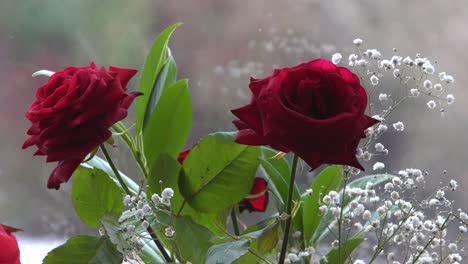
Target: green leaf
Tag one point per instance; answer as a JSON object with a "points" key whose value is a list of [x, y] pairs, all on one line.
{"points": [[165, 170], [122, 131], [262, 224], [327, 221], [218, 173], [95, 194], [265, 239], [155, 60], [84, 250], [169, 125], [193, 239], [101, 164], [375, 179], [166, 78], [328, 180], [228, 252], [334, 257]]}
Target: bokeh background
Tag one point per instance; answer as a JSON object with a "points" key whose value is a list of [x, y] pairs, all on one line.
{"points": [[219, 46]]}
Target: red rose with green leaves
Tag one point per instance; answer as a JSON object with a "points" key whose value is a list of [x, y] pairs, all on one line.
{"points": [[9, 250], [314, 109], [73, 112]]}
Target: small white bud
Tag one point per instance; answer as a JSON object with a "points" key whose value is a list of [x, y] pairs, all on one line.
{"points": [[379, 147], [431, 104], [383, 97], [167, 193], [169, 231], [414, 92], [450, 98], [427, 84], [374, 80], [336, 58], [378, 166], [357, 42], [399, 126]]}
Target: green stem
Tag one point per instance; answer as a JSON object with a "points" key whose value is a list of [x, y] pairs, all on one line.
{"points": [[150, 230], [114, 169], [287, 229], [234, 220], [340, 221]]}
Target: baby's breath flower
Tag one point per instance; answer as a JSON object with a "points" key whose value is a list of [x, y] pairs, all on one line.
{"points": [[450, 98], [335, 244], [414, 92], [379, 147], [396, 73], [382, 128], [453, 185], [357, 42], [383, 97], [293, 257], [427, 84], [386, 64], [169, 231], [448, 78], [167, 193], [378, 166], [336, 58], [374, 80], [139, 214], [431, 104], [399, 126], [428, 68], [438, 87], [408, 61], [156, 199]]}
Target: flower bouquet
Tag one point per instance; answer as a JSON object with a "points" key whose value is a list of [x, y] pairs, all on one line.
{"points": [[322, 118]]}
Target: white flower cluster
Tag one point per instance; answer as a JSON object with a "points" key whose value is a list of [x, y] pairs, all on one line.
{"points": [[309, 254], [400, 222], [416, 75], [406, 78], [141, 213]]}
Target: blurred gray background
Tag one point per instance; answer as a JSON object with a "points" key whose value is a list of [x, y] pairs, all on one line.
{"points": [[218, 46]]}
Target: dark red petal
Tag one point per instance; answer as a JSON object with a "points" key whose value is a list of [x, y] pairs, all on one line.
{"points": [[124, 74], [250, 115], [127, 101], [250, 137], [62, 173]]}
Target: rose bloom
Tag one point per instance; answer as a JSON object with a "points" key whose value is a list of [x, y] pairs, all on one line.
{"points": [[314, 109], [9, 250], [73, 112], [256, 200]]}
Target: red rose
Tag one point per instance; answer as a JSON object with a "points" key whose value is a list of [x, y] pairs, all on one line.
{"points": [[9, 250], [256, 200], [314, 109], [73, 112]]}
